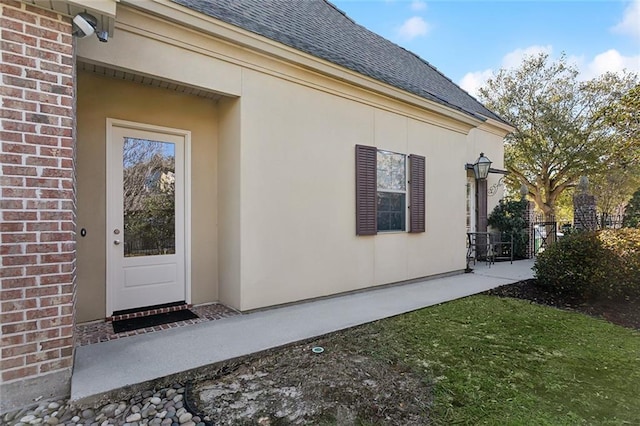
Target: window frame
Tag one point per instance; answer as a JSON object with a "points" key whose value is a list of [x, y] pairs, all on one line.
{"points": [[405, 226], [470, 200], [366, 191]]}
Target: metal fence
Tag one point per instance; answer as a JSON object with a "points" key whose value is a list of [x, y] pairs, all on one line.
{"points": [[544, 231]]}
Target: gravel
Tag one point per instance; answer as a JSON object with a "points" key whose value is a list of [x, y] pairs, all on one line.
{"points": [[151, 407]]}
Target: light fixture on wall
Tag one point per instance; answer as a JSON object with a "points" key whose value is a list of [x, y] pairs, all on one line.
{"points": [[103, 36], [481, 167], [85, 24]]}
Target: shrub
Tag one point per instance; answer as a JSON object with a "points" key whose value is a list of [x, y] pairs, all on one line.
{"points": [[590, 265], [508, 217]]}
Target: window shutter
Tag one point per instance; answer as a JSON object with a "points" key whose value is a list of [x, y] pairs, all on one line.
{"points": [[416, 193], [481, 205], [366, 187]]}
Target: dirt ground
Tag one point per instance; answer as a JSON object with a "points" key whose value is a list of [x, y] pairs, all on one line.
{"points": [[294, 386], [344, 385]]}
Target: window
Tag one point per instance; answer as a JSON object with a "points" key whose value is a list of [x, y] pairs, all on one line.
{"points": [[391, 197], [470, 216], [382, 193]]}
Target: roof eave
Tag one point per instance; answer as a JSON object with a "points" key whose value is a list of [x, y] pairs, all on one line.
{"points": [[209, 25], [496, 127]]}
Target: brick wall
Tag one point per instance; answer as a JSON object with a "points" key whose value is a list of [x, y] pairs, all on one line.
{"points": [[37, 180]]}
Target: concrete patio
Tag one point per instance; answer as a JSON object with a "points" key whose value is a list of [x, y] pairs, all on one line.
{"points": [[108, 366]]}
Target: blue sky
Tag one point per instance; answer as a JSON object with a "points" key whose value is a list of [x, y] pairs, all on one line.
{"points": [[469, 39]]}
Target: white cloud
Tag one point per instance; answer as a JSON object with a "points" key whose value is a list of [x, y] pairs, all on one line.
{"points": [[514, 58], [576, 61], [412, 28], [630, 24], [418, 5], [610, 61], [472, 81]]}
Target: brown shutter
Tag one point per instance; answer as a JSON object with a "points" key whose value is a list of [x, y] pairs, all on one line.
{"points": [[481, 205], [416, 193], [366, 187]]}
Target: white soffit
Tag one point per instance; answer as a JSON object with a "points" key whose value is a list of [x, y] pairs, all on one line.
{"points": [[145, 80], [103, 10]]}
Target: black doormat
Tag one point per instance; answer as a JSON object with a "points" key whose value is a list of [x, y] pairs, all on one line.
{"points": [[130, 324]]}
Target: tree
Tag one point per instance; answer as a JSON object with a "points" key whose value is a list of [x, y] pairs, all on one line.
{"points": [[619, 175], [613, 186], [561, 132], [632, 212], [149, 197], [623, 117]]}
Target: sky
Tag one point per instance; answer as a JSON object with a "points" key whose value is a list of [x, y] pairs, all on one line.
{"points": [[469, 40]]}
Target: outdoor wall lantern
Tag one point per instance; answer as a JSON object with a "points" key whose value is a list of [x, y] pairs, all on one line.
{"points": [[481, 167]]}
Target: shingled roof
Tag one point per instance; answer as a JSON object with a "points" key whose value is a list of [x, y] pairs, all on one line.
{"points": [[319, 28]]}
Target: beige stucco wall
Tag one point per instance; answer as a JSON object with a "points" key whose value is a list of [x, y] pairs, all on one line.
{"points": [[101, 97], [284, 162], [298, 186], [229, 206]]}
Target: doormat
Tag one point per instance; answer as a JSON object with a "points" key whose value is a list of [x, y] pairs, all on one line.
{"points": [[131, 324]]}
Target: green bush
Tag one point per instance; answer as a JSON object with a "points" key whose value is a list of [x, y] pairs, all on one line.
{"points": [[508, 217], [591, 265]]}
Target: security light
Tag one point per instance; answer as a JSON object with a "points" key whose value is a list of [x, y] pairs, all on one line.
{"points": [[85, 24]]}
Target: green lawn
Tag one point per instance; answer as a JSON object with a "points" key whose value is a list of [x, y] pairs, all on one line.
{"points": [[505, 361]]}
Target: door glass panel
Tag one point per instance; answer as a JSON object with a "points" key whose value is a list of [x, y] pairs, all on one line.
{"points": [[149, 197]]}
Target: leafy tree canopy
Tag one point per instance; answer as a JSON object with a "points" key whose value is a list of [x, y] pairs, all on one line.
{"points": [[623, 117], [564, 127], [619, 176]]}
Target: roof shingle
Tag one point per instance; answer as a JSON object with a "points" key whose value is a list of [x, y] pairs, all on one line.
{"points": [[318, 28]]}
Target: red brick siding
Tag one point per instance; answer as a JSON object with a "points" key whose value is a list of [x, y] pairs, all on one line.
{"points": [[37, 282]]}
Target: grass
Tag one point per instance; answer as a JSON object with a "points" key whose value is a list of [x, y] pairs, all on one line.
{"points": [[505, 361]]}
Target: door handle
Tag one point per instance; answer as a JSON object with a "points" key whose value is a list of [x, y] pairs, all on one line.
{"points": [[116, 242]]}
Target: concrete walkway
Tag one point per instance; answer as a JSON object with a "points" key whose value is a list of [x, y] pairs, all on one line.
{"points": [[108, 366]]}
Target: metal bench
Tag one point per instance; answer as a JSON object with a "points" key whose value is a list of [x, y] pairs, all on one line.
{"points": [[488, 247], [501, 247]]}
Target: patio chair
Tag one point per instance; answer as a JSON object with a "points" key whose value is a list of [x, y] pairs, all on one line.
{"points": [[479, 248]]}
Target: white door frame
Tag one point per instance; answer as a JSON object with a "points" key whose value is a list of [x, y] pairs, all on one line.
{"points": [[186, 134]]}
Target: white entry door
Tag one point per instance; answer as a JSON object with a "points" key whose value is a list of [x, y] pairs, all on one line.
{"points": [[146, 182]]}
